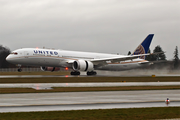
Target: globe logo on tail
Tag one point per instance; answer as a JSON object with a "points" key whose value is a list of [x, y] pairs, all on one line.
{"points": [[140, 50]]}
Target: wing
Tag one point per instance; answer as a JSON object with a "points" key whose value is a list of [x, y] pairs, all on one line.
{"points": [[116, 59], [103, 61]]}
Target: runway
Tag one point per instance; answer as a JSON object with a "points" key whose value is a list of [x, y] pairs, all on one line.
{"points": [[65, 76], [38, 76], [85, 106], [87, 100], [100, 73], [101, 84]]}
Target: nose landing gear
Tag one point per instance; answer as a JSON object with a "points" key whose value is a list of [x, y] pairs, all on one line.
{"points": [[88, 73], [19, 69]]}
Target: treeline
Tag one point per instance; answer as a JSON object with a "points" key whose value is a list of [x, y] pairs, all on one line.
{"points": [[4, 52], [156, 57], [159, 60]]}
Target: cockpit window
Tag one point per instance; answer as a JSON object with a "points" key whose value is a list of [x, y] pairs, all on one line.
{"points": [[14, 53]]}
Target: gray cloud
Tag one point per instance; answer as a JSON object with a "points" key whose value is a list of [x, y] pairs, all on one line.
{"points": [[112, 26]]}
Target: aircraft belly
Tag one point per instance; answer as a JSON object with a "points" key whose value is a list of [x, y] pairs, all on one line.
{"points": [[119, 67], [39, 61]]}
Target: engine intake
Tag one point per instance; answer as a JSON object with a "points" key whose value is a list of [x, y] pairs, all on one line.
{"points": [[50, 69], [83, 65]]}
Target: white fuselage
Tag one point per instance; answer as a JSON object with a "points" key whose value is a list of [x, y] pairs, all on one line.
{"points": [[60, 58]]}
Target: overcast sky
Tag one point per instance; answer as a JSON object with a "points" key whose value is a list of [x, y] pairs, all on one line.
{"points": [[108, 26]]}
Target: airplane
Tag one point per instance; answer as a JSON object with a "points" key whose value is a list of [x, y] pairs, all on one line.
{"points": [[53, 60]]}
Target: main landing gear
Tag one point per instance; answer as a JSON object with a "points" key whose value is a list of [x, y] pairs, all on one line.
{"points": [[78, 73], [91, 73], [19, 69], [75, 73]]}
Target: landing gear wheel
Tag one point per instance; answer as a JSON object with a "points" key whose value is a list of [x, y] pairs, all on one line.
{"points": [[91, 73], [75, 73], [95, 73], [19, 69]]}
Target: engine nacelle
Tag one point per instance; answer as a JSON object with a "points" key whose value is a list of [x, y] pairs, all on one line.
{"points": [[50, 69], [83, 65]]}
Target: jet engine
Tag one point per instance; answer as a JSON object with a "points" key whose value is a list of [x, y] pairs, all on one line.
{"points": [[83, 65], [50, 69]]}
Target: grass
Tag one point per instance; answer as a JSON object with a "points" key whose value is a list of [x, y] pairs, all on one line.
{"points": [[78, 79], [81, 89], [107, 114], [88, 79]]}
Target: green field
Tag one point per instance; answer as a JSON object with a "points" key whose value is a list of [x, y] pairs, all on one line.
{"points": [[88, 79], [78, 79], [107, 114], [82, 89]]}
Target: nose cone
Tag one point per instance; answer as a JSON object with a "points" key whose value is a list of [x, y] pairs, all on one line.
{"points": [[8, 58], [12, 59]]}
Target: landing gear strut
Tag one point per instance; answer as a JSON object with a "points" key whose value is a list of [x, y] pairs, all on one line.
{"points": [[19, 69], [91, 73], [75, 73]]}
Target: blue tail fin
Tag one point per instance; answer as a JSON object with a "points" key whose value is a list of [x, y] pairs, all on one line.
{"points": [[144, 46]]}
